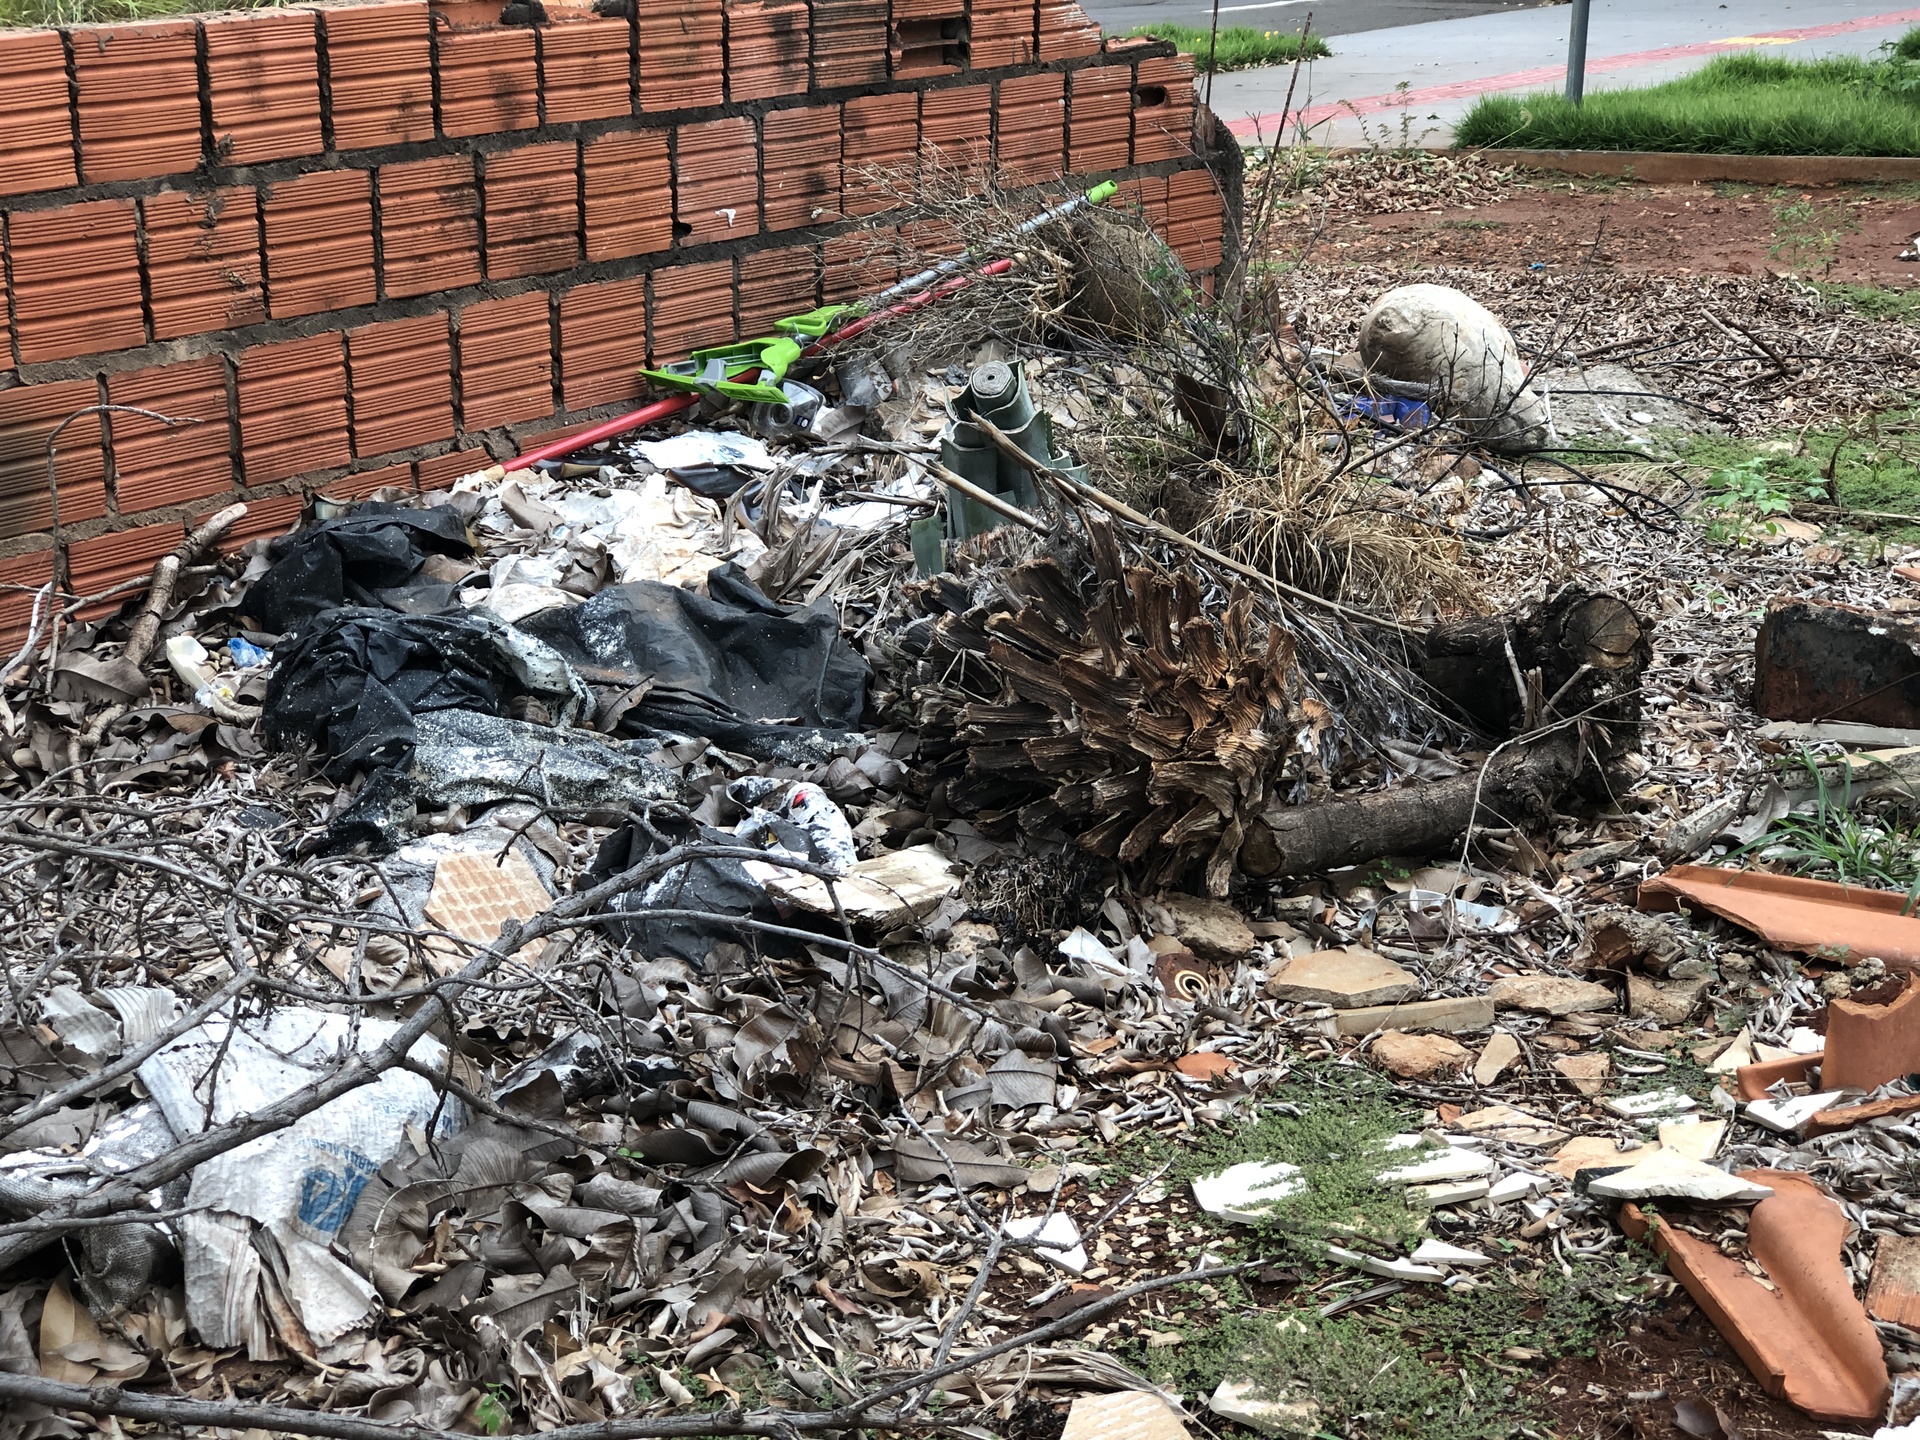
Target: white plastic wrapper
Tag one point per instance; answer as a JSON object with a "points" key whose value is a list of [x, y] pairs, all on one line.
{"points": [[257, 1250]]}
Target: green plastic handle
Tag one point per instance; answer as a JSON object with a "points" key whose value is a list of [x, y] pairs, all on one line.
{"points": [[1103, 192]]}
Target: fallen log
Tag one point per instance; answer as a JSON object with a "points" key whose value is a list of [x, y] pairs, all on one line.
{"points": [[1517, 788]]}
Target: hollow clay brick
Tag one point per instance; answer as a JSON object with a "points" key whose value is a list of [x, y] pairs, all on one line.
{"points": [[139, 99], [717, 175], [506, 362], [429, 226], [586, 70], [681, 60], [155, 465], [203, 260], [76, 280], [692, 307], [1030, 127], [489, 81], [293, 408], [849, 43], [1163, 109], [401, 374], [36, 139], [1099, 119], [379, 73], [441, 471], [533, 210], [879, 150], [1067, 32], [773, 285], [768, 48], [105, 560], [603, 342], [263, 84], [28, 415], [628, 179], [319, 242], [955, 124], [802, 166], [1000, 33]]}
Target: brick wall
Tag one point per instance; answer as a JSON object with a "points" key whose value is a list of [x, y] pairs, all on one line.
{"points": [[379, 244]]}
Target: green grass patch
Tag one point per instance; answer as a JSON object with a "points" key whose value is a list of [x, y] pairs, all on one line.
{"points": [[1872, 301], [1740, 104], [1344, 1114], [1428, 1364], [1872, 464], [1238, 48]]}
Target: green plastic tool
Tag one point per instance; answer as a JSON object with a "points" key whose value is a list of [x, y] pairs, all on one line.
{"points": [[718, 369]]}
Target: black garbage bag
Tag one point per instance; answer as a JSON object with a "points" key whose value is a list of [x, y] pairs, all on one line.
{"points": [[730, 665], [371, 557], [353, 680], [719, 887]]}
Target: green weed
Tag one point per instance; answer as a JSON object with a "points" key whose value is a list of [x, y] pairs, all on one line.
{"points": [[1744, 498], [1237, 48], [1807, 233], [1872, 301], [1843, 840], [1872, 464], [1739, 104]]}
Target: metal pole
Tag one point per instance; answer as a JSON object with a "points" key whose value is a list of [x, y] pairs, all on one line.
{"points": [[1213, 45], [1577, 53]]}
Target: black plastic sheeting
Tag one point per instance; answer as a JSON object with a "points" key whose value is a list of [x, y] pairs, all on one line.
{"points": [[720, 665], [718, 887], [370, 558]]}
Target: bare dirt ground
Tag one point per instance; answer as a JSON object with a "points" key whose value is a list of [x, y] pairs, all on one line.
{"points": [[1847, 235]]}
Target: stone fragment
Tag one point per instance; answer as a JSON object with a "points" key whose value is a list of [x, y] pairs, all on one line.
{"points": [[1500, 1051], [1345, 979], [1666, 1002], [1438, 1252], [1458, 1014], [1587, 1072], [1649, 1103], [1385, 1269], [1212, 930], [1515, 1187], [1549, 994], [1449, 1192], [1667, 1174], [1699, 1141], [1594, 1152], [1504, 1122], [1416, 1057], [1123, 1415], [1452, 1163], [1246, 1192], [1234, 1400]]}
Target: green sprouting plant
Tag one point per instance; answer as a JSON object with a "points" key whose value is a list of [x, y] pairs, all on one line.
{"points": [[1841, 840], [1807, 232], [492, 1412], [1745, 497]]}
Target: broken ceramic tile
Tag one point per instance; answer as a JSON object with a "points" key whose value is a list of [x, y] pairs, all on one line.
{"points": [[1671, 1175], [1500, 1051], [1386, 1269], [1787, 1116], [1450, 1192], [1123, 1415], [1448, 1164], [1516, 1187], [1699, 1140], [1649, 1103], [1346, 979], [1248, 1191], [1057, 1237], [1235, 1400], [1438, 1252]]}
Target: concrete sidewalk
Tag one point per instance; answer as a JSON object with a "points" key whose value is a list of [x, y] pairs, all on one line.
{"points": [[1446, 65]]}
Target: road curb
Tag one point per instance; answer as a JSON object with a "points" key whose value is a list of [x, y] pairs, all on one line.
{"points": [[1664, 166]]}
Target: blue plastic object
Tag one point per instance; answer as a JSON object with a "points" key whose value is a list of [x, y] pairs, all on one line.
{"points": [[246, 654], [1390, 410]]}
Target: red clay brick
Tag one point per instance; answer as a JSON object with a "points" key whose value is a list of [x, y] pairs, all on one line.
{"points": [[293, 408], [155, 465], [489, 81], [1066, 31], [362, 483], [849, 43], [879, 146], [603, 342], [380, 73], [586, 70], [1195, 220], [28, 415], [429, 226], [1100, 119], [106, 560], [263, 78], [927, 37], [1030, 125], [862, 263], [36, 141], [402, 384], [533, 210], [29, 571], [692, 308], [718, 173], [506, 362], [627, 176], [203, 260], [139, 105], [767, 44], [775, 284], [442, 470], [802, 149], [76, 280], [1163, 109], [681, 61], [267, 515], [954, 122], [319, 242], [1000, 32]]}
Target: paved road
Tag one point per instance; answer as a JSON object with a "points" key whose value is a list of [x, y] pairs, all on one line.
{"points": [[1330, 17], [1446, 64]]}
